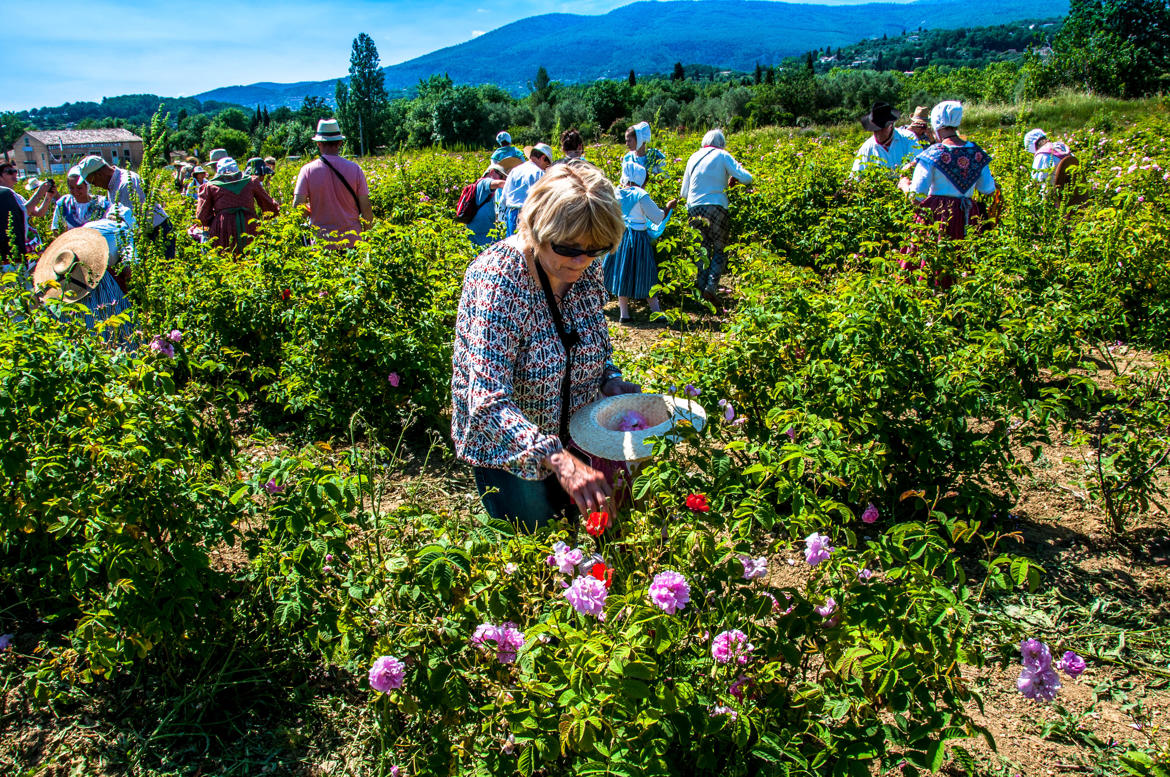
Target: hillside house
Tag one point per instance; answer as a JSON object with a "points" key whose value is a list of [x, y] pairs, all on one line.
{"points": [[55, 151]]}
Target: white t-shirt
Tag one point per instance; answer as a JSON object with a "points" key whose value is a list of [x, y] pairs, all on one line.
{"points": [[903, 148]]}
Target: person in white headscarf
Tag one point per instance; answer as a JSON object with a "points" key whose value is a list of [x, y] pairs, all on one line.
{"points": [[1046, 155], [949, 173], [78, 207], [632, 271], [708, 173], [638, 143]]}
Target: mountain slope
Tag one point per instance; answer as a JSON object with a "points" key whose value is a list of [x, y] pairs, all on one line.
{"points": [[649, 37]]}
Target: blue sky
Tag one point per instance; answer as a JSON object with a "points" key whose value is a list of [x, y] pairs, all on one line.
{"points": [[112, 47]]}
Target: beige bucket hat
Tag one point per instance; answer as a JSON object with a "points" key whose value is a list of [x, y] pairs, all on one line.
{"points": [[604, 429], [77, 260]]}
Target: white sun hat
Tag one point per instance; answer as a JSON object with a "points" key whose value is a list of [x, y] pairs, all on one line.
{"points": [[598, 427]]}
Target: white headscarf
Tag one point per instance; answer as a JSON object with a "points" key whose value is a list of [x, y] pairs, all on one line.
{"points": [[75, 172], [228, 166], [948, 113], [634, 173], [1032, 140], [502, 138], [642, 133], [715, 138]]}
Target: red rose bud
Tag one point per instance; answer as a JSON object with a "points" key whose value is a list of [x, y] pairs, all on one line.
{"points": [[698, 503], [597, 523]]}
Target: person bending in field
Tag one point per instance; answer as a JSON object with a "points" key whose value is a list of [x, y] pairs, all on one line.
{"points": [[708, 173], [333, 190], [638, 141], [506, 155], [632, 270], [519, 182], [1046, 154], [125, 189], [886, 147]]}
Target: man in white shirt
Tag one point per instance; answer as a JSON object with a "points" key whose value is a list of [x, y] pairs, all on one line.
{"points": [[125, 188], [704, 188], [520, 180], [886, 148]]}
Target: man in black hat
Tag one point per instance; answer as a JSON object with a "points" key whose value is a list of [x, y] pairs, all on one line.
{"points": [[886, 148]]}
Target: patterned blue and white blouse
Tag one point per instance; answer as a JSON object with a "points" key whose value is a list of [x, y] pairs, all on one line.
{"points": [[508, 362]]}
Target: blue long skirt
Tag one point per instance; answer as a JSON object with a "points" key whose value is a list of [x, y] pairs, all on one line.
{"points": [[631, 271], [108, 300]]}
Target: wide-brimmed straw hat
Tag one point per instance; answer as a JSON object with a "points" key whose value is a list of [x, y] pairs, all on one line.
{"points": [[77, 260], [921, 117], [328, 130], [598, 427]]}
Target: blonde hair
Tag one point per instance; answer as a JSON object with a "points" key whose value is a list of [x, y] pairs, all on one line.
{"points": [[573, 201]]}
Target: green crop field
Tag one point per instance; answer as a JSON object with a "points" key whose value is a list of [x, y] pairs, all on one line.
{"points": [[203, 555]]}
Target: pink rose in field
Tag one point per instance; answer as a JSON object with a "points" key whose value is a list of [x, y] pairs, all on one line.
{"points": [[828, 608], [871, 514], [731, 645], [386, 674], [669, 592], [394, 379], [753, 567], [817, 549]]}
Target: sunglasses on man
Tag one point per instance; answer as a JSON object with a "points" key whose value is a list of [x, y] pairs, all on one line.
{"points": [[573, 251]]}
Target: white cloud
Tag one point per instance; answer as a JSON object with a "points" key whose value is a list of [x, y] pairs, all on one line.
{"points": [[477, 33]]}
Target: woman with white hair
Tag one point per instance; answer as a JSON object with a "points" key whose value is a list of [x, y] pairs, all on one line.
{"points": [[532, 347], [631, 271], [78, 207], [638, 142], [948, 174], [704, 189], [1046, 155]]}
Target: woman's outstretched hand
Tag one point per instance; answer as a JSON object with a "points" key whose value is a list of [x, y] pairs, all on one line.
{"points": [[584, 485]]}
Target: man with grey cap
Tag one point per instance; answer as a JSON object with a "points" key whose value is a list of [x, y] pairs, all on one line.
{"points": [[333, 189], [520, 180], [125, 188]]}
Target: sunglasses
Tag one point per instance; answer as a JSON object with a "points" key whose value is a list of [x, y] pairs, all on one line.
{"points": [[572, 251]]}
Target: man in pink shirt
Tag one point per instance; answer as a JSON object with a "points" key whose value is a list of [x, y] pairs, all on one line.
{"points": [[333, 189]]}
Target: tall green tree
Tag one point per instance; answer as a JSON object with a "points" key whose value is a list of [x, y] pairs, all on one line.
{"points": [[363, 101], [679, 73], [1115, 47], [541, 86]]}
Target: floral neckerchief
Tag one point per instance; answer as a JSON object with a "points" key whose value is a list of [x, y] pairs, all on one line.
{"points": [[961, 165]]}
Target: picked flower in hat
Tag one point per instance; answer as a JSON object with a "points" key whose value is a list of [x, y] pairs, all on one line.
{"points": [[622, 427]]}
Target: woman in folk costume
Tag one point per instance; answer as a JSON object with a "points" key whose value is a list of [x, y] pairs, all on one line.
{"points": [[78, 207], [948, 174], [637, 141], [227, 206], [1046, 155], [631, 271]]}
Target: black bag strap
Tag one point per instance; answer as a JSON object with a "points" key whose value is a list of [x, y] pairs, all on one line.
{"points": [[344, 183], [568, 338]]}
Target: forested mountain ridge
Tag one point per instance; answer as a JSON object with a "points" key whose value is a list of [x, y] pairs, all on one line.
{"points": [[648, 37]]}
